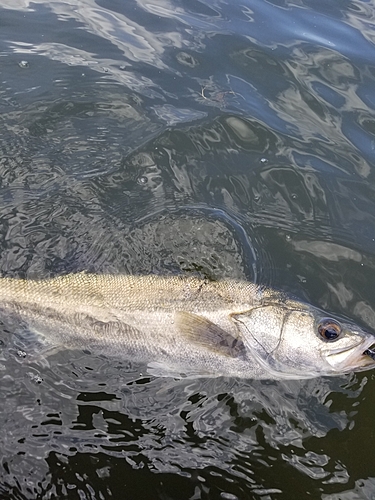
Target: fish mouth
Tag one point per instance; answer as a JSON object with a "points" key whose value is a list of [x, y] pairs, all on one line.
{"points": [[358, 357], [370, 352]]}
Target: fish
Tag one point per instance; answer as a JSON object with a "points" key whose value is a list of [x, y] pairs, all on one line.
{"points": [[185, 326]]}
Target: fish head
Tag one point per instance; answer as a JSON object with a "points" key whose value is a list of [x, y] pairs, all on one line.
{"points": [[291, 339]]}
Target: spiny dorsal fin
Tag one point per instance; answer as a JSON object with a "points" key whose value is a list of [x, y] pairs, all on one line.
{"points": [[206, 334]]}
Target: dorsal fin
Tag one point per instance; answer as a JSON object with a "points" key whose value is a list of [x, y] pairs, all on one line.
{"points": [[206, 334]]}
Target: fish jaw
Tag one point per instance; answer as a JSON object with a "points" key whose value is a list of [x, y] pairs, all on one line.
{"points": [[353, 358]]}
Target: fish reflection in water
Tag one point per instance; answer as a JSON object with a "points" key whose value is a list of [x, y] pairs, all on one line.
{"points": [[188, 327]]}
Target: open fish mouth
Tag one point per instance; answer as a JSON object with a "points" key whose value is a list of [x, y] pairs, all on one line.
{"points": [[360, 356], [364, 355], [370, 352]]}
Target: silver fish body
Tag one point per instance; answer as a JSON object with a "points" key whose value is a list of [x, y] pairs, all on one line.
{"points": [[185, 326]]}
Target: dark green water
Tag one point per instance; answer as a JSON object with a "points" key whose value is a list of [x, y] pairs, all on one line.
{"points": [[224, 138]]}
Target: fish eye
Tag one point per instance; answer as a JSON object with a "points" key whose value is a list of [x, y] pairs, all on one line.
{"points": [[329, 329]]}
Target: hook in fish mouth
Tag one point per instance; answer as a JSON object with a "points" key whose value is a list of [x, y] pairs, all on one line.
{"points": [[370, 352]]}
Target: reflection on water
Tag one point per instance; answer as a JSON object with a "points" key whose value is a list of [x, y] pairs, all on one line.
{"points": [[243, 433], [222, 139]]}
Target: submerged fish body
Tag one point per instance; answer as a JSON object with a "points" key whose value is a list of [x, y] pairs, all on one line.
{"points": [[185, 326]]}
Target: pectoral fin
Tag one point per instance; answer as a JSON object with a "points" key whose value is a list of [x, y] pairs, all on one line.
{"points": [[206, 334]]}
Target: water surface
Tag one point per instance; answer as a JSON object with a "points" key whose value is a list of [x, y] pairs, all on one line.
{"points": [[218, 138]]}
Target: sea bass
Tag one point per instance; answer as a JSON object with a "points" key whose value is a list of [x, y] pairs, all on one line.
{"points": [[185, 326]]}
